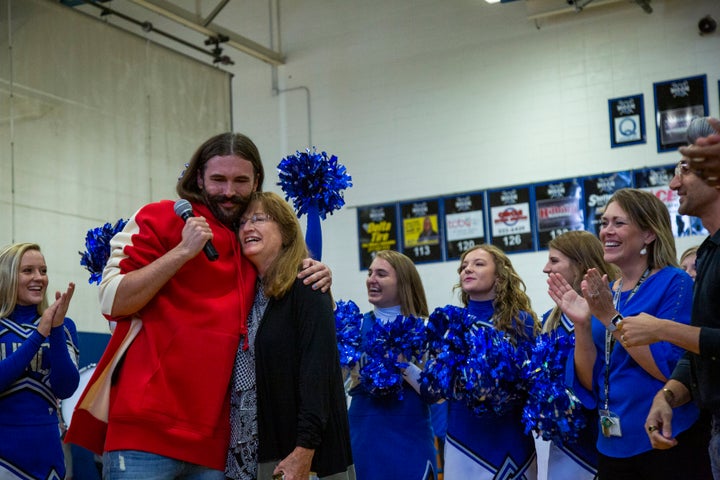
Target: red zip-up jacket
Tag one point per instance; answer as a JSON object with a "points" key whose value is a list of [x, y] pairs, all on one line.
{"points": [[169, 394]]}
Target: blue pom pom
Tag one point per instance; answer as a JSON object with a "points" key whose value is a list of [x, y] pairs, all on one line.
{"points": [[490, 377], [385, 343], [312, 178], [448, 350], [552, 410], [97, 249], [472, 363], [348, 321]]}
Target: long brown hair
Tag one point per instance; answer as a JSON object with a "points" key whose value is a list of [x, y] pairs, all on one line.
{"points": [[227, 143], [10, 258], [585, 251], [650, 214], [409, 285], [281, 273], [510, 297]]}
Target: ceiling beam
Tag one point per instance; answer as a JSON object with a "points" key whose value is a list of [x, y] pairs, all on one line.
{"points": [[539, 9], [196, 23]]}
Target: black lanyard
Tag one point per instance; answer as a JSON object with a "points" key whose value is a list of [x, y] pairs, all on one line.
{"points": [[609, 339]]}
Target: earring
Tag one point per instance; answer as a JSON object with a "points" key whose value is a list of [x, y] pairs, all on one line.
{"points": [[643, 251]]}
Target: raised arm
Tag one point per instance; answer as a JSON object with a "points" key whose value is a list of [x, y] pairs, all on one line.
{"points": [[704, 155], [644, 329], [125, 294]]}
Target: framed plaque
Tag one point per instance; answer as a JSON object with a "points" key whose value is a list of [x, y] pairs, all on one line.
{"points": [[627, 121], [677, 102]]}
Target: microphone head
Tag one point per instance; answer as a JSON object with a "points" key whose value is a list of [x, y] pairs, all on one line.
{"points": [[699, 127], [183, 209]]}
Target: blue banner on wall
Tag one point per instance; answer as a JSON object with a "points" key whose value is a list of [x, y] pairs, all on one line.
{"points": [[597, 191], [464, 223], [558, 209], [377, 230], [511, 219], [421, 230]]}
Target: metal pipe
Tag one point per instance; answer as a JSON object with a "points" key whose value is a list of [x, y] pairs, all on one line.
{"points": [[148, 27], [245, 45]]}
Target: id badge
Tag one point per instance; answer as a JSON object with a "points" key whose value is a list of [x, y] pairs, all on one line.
{"points": [[610, 424]]}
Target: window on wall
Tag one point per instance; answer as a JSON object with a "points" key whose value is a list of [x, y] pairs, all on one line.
{"points": [[94, 122]]}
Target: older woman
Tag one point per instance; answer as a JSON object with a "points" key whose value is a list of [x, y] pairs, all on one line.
{"points": [[288, 411], [38, 365], [571, 255], [621, 380]]}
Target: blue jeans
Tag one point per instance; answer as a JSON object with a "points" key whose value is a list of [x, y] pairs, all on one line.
{"points": [[714, 447], [134, 465]]}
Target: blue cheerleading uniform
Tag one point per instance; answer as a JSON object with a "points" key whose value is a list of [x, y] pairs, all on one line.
{"points": [[391, 438], [578, 459], [34, 373], [490, 446]]}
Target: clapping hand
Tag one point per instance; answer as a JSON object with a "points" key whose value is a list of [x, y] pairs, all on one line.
{"points": [[572, 304], [54, 316]]}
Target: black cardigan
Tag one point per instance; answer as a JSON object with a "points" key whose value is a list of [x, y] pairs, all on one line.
{"points": [[701, 373], [300, 395]]}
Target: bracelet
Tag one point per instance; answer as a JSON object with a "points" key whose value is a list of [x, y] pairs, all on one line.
{"points": [[669, 396]]}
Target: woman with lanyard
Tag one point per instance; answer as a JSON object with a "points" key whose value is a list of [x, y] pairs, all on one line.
{"points": [[571, 255], [619, 381]]}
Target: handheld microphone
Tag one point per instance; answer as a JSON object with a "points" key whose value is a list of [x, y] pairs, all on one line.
{"points": [[183, 209], [699, 127]]}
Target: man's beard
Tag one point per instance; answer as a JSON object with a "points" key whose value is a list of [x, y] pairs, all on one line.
{"points": [[229, 218]]}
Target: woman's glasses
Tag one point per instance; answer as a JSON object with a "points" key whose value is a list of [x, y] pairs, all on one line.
{"points": [[256, 219]]}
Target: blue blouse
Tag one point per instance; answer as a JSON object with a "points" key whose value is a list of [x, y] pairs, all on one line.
{"points": [[666, 295]]}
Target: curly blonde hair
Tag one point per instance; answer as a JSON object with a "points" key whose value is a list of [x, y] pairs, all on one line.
{"points": [[510, 297]]}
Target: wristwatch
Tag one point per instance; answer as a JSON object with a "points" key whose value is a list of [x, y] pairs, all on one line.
{"points": [[615, 323]]}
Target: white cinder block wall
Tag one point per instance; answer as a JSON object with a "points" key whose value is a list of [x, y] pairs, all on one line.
{"points": [[426, 98], [422, 98]]}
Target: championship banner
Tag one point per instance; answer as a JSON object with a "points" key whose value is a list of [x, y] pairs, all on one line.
{"points": [[377, 230], [598, 191], [558, 209], [421, 232], [657, 181], [627, 121], [464, 223], [677, 102], [510, 219]]}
